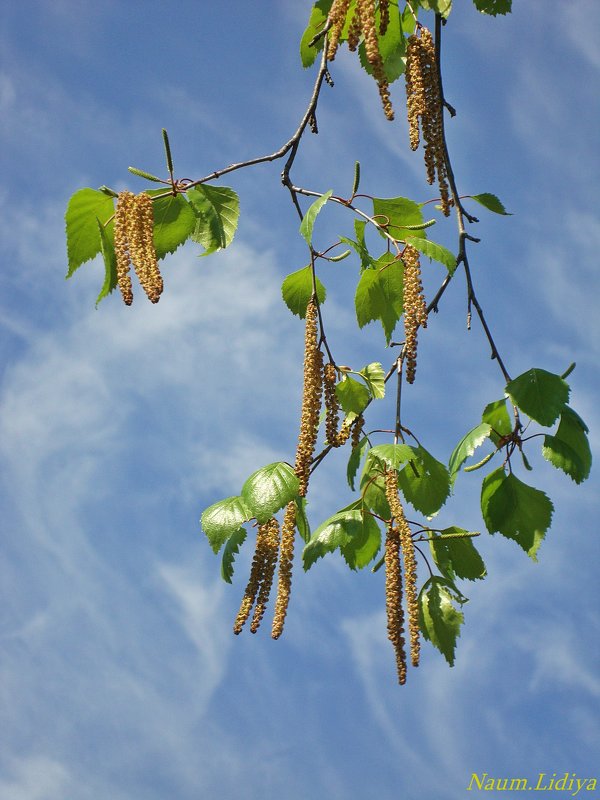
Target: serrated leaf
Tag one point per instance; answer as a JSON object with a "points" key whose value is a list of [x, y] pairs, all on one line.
{"points": [[466, 447], [217, 210], [110, 261], [222, 519], [395, 213], [352, 531], [496, 416], [515, 510], [435, 251], [269, 489], [380, 293], [297, 289], [439, 620], [493, 7], [317, 19], [85, 208], [491, 202], [390, 455], [230, 551], [353, 396], [374, 377], [539, 394], [174, 222], [372, 489], [569, 448], [456, 557], [356, 457], [425, 482], [308, 221]]}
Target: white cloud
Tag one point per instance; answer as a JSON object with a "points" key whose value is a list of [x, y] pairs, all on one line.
{"points": [[36, 778]]}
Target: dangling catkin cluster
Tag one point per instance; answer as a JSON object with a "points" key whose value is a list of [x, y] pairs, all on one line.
{"points": [[134, 244], [261, 576], [424, 102], [410, 563], [393, 600], [363, 23], [415, 308], [312, 391], [284, 577], [311, 398]]}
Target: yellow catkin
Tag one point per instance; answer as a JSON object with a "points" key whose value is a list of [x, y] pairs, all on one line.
{"points": [[410, 563], [284, 578], [357, 426], [255, 580], [149, 275], [366, 11], [271, 550], [336, 19], [384, 16], [415, 308], [122, 212], [393, 600], [134, 244], [425, 109], [312, 391]]}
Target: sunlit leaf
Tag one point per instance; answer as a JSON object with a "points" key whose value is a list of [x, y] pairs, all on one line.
{"points": [[435, 251], [297, 290], [456, 557], [308, 222], [85, 208], [230, 551], [269, 489], [217, 210], [425, 482], [222, 519], [466, 447], [353, 396]]}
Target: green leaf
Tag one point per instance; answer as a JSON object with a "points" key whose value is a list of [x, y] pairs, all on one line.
{"points": [[395, 214], [442, 7], [308, 221], [569, 448], [352, 531], [85, 208], [493, 7], [389, 455], [515, 510], [491, 202], [174, 222], [110, 261], [232, 548], [372, 488], [297, 289], [439, 620], [353, 396], [374, 377], [435, 251], [466, 447], [224, 518], [356, 457], [364, 546], [269, 489], [539, 394], [217, 210], [496, 416], [317, 19], [425, 482], [379, 294], [456, 557]]}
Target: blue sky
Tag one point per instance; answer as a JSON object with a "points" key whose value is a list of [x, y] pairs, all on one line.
{"points": [[119, 674]]}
